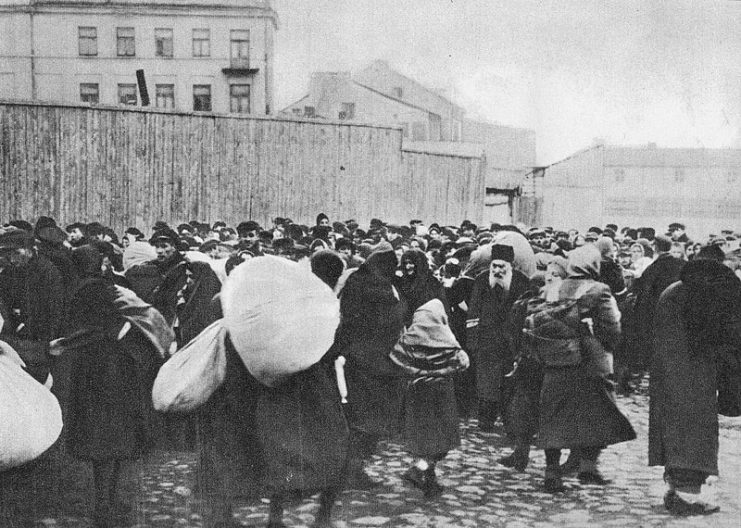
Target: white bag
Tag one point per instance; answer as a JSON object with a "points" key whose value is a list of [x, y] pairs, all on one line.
{"points": [[280, 316], [30, 416], [189, 378]]}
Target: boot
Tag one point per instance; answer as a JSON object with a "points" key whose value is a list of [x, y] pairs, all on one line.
{"points": [[553, 482], [357, 478], [518, 459], [571, 465], [676, 505], [432, 487]]}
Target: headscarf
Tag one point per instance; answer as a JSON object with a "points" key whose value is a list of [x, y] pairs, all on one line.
{"points": [[420, 288], [605, 245], [713, 303], [584, 263]]}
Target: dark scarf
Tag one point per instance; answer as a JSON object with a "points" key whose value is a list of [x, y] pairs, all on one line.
{"points": [[420, 288]]}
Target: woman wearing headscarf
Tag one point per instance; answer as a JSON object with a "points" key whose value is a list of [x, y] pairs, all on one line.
{"points": [[371, 321], [697, 347], [417, 285], [117, 347], [577, 401]]}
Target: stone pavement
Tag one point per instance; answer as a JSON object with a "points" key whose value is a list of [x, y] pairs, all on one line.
{"points": [[478, 491]]}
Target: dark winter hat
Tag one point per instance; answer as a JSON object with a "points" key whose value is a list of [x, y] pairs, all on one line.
{"points": [[17, 239], [594, 229], [320, 217], [245, 227], [328, 266], [676, 225], [52, 234], [502, 252], [160, 225], [433, 227], [134, 231], [382, 247], [165, 235], [663, 243], [376, 223], [76, 225], [44, 221]]}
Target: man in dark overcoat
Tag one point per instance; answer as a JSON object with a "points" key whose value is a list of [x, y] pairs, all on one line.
{"points": [[494, 293], [656, 278], [698, 337]]}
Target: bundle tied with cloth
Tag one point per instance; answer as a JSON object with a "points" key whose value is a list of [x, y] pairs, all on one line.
{"points": [[427, 350], [281, 320]]}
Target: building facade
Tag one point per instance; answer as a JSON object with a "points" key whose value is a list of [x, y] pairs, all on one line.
{"points": [[196, 55], [645, 186]]}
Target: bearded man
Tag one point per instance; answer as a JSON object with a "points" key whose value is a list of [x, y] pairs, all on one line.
{"points": [[494, 293]]}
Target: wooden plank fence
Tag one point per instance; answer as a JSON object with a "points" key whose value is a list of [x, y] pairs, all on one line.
{"points": [[131, 167]]}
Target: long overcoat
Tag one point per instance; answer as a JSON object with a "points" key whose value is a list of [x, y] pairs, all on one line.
{"points": [[683, 410], [577, 404], [488, 337]]}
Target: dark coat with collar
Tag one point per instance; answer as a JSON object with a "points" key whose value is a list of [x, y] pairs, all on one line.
{"points": [[488, 336]]}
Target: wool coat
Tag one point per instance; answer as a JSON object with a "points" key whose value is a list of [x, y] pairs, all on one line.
{"points": [[577, 404], [371, 321], [488, 337], [683, 410]]}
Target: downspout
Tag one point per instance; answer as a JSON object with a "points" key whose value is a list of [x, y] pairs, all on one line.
{"points": [[33, 51]]}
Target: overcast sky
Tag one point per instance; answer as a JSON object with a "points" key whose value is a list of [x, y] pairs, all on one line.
{"points": [[627, 71]]}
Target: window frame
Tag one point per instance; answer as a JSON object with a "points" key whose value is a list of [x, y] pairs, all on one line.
{"points": [[158, 95], [122, 40], [210, 97], [239, 44], [93, 41], [129, 86], [97, 93], [158, 39], [201, 42], [240, 109]]}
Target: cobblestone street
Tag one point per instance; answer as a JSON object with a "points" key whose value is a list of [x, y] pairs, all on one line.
{"points": [[478, 491]]}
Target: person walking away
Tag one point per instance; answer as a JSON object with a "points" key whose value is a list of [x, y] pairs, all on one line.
{"points": [[577, 400], [697, 343]]}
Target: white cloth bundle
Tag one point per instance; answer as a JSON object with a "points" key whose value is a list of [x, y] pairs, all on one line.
{"points": [[280, 316], [189, 378], [30, 416]]}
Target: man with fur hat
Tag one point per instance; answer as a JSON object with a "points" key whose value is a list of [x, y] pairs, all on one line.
{"points": [[492, 298]]}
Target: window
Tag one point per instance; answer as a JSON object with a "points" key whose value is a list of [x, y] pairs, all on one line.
{"points": [[201, 42], [127, 94], [679, 175], [347, 111], [397, 92], [419, 131], [240, 48], [202, 97], [732, 176], [88, 41], [239, 98], [163, 42], [125, 42], [619, 175], [309, 111], [89, 93], [164, 95], [296, 112]]}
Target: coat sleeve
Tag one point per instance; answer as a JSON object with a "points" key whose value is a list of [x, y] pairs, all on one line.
{"points": [[606, 316]]}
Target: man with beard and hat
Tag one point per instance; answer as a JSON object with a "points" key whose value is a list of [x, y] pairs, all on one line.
{"points": [[371, 321], [488, 339], [696, 360]]}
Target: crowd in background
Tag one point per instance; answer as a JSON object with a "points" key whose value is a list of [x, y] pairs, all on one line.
{"points": [[457, 295]]}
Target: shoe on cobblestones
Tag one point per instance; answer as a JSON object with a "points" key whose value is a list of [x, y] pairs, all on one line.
{"points": [[515, 460], [554, 485], [433, 489], [676, 505], [596, 478], [415, 477], [571, 465]]}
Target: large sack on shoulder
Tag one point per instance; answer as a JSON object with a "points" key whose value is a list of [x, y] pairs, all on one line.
{"points": [[280, 316], [30, 415], [189, 378]]}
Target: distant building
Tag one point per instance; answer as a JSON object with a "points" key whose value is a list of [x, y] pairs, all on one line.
{"points": [[380, 95], [196, 54], [643, 186]]}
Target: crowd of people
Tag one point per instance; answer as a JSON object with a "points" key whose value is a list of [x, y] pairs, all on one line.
{"points": [[534, 330]]}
